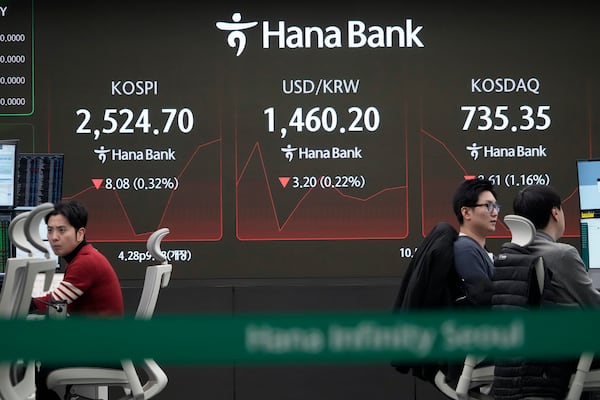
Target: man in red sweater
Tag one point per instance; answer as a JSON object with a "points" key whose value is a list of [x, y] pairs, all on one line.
{"points": [[90, 285]]}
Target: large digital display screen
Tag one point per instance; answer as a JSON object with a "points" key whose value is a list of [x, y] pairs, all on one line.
{"points": [[296, 139]]}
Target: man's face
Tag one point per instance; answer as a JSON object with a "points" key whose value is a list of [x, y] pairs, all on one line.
{"points": [[62, 236], [479, 218]]}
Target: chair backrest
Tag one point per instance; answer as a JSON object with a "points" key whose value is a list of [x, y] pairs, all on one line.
{"points": [[15, 277], [32, 227], [522, 233], [17, 289], [18, 284], [16, 233], [13, 287], [157, 276], [20, 275], [514, 264]]}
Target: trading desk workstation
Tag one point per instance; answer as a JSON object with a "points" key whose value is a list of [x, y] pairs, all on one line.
{"points": [[20, 276]]}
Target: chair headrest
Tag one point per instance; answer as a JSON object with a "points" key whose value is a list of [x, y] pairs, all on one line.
{"points": [[153, 245], [16, 233], [521, 229], [32, 227]]}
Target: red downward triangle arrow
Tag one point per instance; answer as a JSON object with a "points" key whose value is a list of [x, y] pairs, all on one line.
{"points": [[469, 177], [284, 180], [97, 183]]}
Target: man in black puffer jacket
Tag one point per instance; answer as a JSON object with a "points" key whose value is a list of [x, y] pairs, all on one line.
{"points": [[516, 287]]}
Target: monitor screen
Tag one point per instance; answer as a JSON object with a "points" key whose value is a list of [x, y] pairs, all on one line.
{"points": [[8, 164], [588, 176], [40, 179], [590, 242]]}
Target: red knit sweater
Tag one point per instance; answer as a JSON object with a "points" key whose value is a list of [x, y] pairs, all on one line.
{"points": [[90, 286]]}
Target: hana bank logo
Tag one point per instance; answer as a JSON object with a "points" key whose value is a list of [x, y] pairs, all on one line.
{"points": [[101, 152], [474, 149], [236, 37], [354, 35]]}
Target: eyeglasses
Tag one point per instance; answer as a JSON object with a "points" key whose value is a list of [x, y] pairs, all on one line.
{"points": [[490, 206]]}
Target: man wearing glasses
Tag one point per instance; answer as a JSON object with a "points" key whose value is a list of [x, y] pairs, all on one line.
{"points": [[475, 206]]}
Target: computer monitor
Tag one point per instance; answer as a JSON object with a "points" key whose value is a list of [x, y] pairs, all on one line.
{"points": [[588, 176], [40, 178], [8, 172]]}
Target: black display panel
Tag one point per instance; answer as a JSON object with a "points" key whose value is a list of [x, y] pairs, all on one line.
{"points": [[40, 179], [311, 139]]}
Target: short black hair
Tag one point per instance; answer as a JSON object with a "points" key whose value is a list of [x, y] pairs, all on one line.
{"points": [[467, 195], [73, 211], [535, 202]]}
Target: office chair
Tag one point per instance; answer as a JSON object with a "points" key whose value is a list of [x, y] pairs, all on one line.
{"points": [[583, 379], [81, 378], [17, 289], [523, 232]]}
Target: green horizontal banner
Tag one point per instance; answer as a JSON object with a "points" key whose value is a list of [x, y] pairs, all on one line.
{"points": [[305, 338]]}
